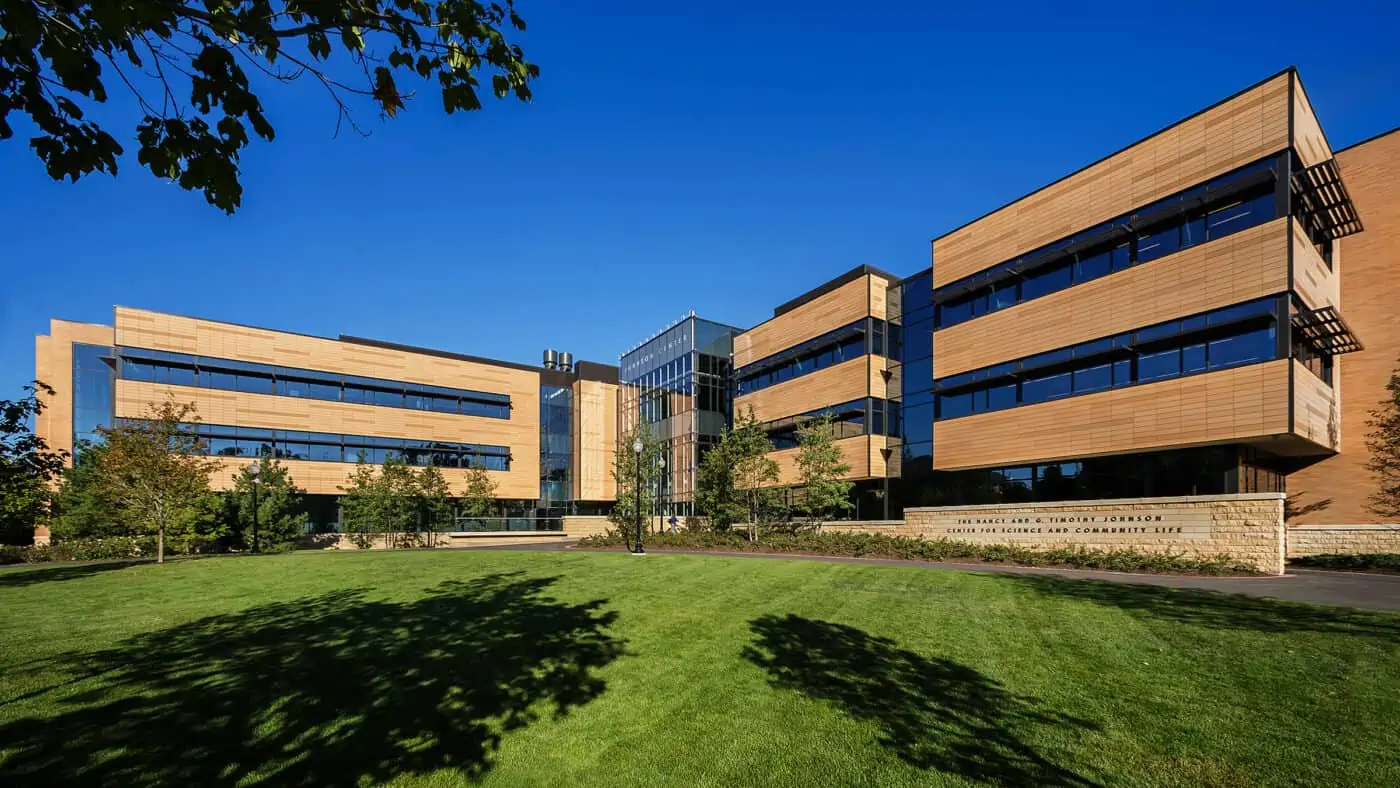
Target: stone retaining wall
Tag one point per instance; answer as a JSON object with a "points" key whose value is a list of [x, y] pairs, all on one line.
{"points": [[1305, 540], [1247, 528], [336, 541]]}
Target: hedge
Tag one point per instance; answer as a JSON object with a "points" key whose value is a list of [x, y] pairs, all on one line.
{"points": [[880, 546], [1358, 562], [110, 548]]}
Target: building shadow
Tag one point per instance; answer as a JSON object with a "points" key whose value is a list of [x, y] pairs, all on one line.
{"points": [[933, 713], [28, 576], [331, 690], [1215, 609]]}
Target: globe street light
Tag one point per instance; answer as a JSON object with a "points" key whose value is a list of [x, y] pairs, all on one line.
{"points": [[255, 470], [637, 449]]}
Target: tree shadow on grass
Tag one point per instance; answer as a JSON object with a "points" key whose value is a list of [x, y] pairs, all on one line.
{"points": [[932, 713], [331, 690], [27, 576], [1217, 609]]}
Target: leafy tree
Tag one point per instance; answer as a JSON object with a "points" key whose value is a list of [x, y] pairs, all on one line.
{"points": [[755, 473], [281, 512], [479, 495], [820, 468], [84, 508], [434, 504], [27, 465], [155, 472], [715, 494], [183, 63], [400, 502], [1384, 446], [624, 514], [361, 504]]}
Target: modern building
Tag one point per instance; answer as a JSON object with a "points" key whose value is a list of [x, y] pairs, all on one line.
{"points": [[1169, 320], [544, 434], [679, 384], [831, 351], [1206, 311]]}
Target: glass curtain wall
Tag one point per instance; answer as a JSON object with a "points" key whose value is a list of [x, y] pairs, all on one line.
{"points": [[679, 384], [556, 451], [93, 374]]}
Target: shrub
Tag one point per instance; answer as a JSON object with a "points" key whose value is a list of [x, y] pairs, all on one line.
{"points": [[113, 548], [856, 545], [1355, 562]]}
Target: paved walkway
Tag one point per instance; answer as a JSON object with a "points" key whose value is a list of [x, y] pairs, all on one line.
{"points": [[1352, 589]]}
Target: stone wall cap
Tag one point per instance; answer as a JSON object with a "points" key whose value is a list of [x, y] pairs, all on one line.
{"points": [[1179, 499]]}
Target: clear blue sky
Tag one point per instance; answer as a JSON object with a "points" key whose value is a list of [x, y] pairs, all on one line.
{"points": [[724, 156]]}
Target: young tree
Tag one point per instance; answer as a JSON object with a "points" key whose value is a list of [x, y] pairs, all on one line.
{"points": [[820, 468], [715, 495], [434, 503], [400, 502], [479, 495], [361, 504], [281, 513], [155, 469], [27, 465], [624, 514], [183, 63], [755, 473], [1384, 445]]}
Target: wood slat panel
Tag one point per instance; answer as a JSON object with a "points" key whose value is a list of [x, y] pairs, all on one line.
{"points": [[879, 386], [595, 440], [1237, 132], [43, 372], [1249, 264], [290, 413], [1308, 138], [139, 328], [1337, 489], [58, 362], [854, 451], [1315, 283], [327, 478], [1229, 405], [831, 386], [1315, 416], [827, 312]]}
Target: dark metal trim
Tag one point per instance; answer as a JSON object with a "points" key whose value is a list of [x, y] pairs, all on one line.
{"points": [[1327, 206], [592, 370], [1325, 330]]}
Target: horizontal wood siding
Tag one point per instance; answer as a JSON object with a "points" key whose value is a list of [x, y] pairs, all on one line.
{"points": [[854, 452], [595, 440], [1239, 267], [1314, 414], [139, 328], [828, 312], [329, 478], [1315, 283], [831, 386], [1246, 128], [1228, 405], [290, 413], [1308, 138]]}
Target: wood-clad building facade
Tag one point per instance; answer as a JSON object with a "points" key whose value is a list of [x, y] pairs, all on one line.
{"points": [[545, 436], [1169, 320]]}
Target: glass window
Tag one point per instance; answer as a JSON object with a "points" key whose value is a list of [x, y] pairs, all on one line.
{"points": [[1193, 232], [1092, 266], [138, 370], [1193, 358], [951, 406], [1044, 281], [326, 391], [1046, 388], [254, 384], [1000, 397], [953, 313], [1239, 216], [918, 423], [1096, 378], [214, 379], [1122, 373], [1162, 364], [1257, 345], [181, 376], [1158, 332], [358, 395], [877, 337], [1003, 296], [1158, 243], [1120, 257], [224, 447]]}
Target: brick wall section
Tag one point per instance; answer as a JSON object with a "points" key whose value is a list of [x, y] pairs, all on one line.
{"points": [[1247, 528], [1335, 489], [1305, 540]]}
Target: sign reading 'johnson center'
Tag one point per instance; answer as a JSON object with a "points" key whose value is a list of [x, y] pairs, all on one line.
{"points": [[1015, 525]]}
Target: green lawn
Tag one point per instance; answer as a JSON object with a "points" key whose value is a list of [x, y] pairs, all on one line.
{"points": [[449, 667]]}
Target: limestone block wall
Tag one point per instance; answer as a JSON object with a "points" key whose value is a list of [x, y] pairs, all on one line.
{"points": [[1248, 528], [1306, 540], [579, 526]]}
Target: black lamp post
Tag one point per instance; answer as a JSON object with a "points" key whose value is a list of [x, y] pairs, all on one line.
{"points": [[637, 449], [256, 470]]}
